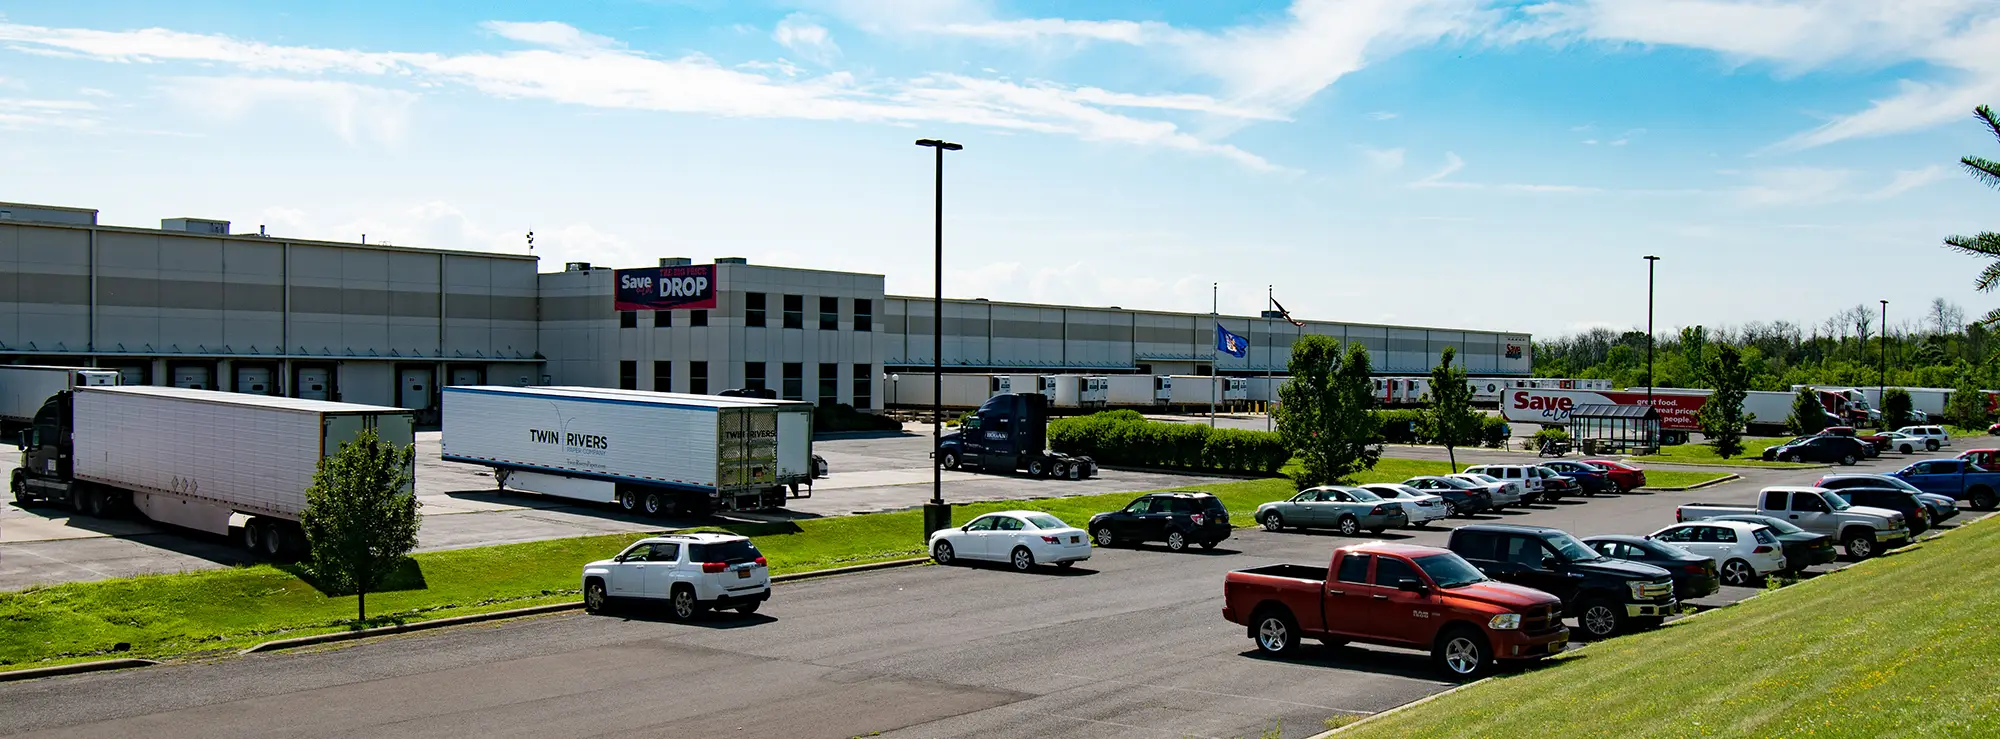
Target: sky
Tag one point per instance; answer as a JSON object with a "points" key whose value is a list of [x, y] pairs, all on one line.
{"points": [[1449, 163]]}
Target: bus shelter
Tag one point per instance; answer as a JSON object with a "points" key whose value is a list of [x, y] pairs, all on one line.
{"points": [[1615, 429]]}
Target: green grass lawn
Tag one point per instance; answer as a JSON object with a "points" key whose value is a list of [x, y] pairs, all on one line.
{"points": [[200, 612], [1675, 479], [1899, 646], [1753, 448]]}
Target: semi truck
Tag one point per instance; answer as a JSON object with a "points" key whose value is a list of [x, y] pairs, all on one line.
{"points": [[24, 388], [192, 458], [1010, 433], [651, 453]]}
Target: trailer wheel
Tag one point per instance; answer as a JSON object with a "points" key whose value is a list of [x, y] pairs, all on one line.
{"points": [[276, 542], [628, 500], [655, 505], [253, 535]]}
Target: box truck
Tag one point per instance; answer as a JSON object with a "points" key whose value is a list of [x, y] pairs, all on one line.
{"points": [[24, 388], [649, 453], [1010, 433], [193, 458]]}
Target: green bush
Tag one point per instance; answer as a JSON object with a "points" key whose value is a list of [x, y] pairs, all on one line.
{"points": [[1127, 438], [1547, 435], [843, 417], [1493, 432], [1402, 427]]}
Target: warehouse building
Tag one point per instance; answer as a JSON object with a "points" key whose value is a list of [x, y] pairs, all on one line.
{"points": [[193, 304]]}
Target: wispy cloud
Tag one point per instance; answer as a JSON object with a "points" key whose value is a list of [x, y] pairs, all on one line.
{"points": [[1441, 180], [1795, 186], [1381, 115], [18, 114], [1387, 160], [356, 113], [811, 41], [573, 67]]}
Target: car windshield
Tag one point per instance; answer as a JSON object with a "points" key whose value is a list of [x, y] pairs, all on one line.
{"points": [[1047, 522], [1571, 549], [1838, 503], [1449, 571], [1363, 495]]}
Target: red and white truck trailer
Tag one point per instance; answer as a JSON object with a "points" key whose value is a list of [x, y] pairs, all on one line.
{"points": [[1676, 406]]}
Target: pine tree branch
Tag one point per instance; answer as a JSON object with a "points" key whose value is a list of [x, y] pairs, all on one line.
{"points": [[1987, 116], [1992, 317], [1986, 244], [1982, 169]]}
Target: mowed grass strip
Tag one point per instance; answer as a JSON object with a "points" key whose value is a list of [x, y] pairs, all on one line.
{"points": [[166, 616], [1898, 646], [1753, 450], [1657, 479]]}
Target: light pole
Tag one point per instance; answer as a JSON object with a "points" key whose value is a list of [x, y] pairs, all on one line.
{"points": [[937, 515], [1882, 383], [1650, 261]]}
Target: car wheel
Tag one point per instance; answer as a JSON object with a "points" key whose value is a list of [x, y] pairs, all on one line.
{"points": [[949, 460], [1738, 573], [1859, 546], [1349, 526], [1907, 450], [1984, 500], [1462, 653], [628, 500], [1792, 458], [595, 600], [1847, 460], [1450, 509], [1600, 619], [1176, 541], [1035, 468], [1930, 445], [684, 606], [748, 608], [655, 504], [1273, 522], [943, 554], [1276, 634], [1104, 537], [1023, 560]]}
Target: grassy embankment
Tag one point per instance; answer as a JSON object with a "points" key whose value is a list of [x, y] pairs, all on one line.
{"points": [[203, 612], [1899, 646]]}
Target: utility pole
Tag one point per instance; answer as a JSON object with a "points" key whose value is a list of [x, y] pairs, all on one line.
{"points": [[1214, 306], [937, 515], [1882, 383], [1650, 382]]}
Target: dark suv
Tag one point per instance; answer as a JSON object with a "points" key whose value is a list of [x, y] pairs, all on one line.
{"points": [[1817, 449], [1179, 519], [1605, 595]]}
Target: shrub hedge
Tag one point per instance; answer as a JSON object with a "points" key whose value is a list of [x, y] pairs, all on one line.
{"points": [[1406, 426], [1126, 437]]}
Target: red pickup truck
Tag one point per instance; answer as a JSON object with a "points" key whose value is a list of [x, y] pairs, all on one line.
{"points": [[1397, 595]]}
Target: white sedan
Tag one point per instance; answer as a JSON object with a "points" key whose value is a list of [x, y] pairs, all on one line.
{"points": [[1019, 538], [1745, 552], [1422, 508]]}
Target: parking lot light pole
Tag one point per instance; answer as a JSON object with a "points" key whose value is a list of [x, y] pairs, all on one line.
{"points": [[1650, 261], [937, 514], [1882, 383]]}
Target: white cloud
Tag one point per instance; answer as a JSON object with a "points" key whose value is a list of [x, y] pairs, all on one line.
{"points": [[548, 33], [578, 69], [1381, 115], [809, 40], [25, 113], [1788, 186], [1387, 160], [1907, 180], [355, 112], [1452, 164], [1441, 180]]}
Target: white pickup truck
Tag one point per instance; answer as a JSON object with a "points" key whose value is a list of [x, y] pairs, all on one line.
{"points": [[1863, 531]]}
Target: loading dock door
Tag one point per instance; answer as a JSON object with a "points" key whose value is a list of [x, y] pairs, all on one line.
{"points": [[315, 383], [413, 388]]}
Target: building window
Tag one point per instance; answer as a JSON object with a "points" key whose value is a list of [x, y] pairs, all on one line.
{"points": [[698, 378], [663, 319], [864, 386], [753, 376], [628, 319], [753, 310], [864, 314], [795, 311], [697, 318], [829, 314], [628, 375], [829, 384], [794, 388], [663, 375]]}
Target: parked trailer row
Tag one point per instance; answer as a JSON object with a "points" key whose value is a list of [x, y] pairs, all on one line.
{"points": [[967, 390], [24, 388], [192, 458], [1676, 406]]}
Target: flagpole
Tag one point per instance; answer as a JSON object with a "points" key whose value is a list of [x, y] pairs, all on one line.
{"points": [[1270, 352], [1214, 307]]}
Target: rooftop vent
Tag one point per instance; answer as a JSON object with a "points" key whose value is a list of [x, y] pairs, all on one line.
{"points": [[675, 261], [195, 226], [731, 260], [576, 266]]}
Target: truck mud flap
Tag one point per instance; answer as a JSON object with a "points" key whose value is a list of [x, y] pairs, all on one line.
{"points": [[798, 492]]}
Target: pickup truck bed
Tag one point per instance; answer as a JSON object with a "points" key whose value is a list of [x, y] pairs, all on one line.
{"points": [[1294, 572]]}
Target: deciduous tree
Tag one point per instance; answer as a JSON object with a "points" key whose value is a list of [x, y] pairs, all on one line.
{"points": [[1722, 418], [1448, 416], [361, 516], [1324, 411]]}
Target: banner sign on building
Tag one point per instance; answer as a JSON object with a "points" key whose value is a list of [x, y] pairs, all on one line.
{"points": [[666, 288]]}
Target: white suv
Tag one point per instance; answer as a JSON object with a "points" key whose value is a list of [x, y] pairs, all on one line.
{"points": [[692, 572], [1932, 436], [1520, 477]]}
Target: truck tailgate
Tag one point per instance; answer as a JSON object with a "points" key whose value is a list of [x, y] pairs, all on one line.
{"points": [[1297, 587]]}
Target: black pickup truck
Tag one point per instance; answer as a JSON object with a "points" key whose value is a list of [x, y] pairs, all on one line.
{"points": [[1607, 596]]}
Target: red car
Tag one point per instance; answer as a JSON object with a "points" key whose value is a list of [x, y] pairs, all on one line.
{"points": [[1625, 476]]}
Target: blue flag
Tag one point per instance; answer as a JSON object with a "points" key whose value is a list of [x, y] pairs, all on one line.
{"points": [[1230, 344]]}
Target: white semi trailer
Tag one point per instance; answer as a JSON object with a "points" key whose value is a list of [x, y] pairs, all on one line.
{"points": [[24, 388], [193, 458], [651, 453], [914, 389]]}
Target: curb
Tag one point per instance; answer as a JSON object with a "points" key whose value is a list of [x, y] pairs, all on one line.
{"points": [[1696, 486], [78, 668], [542, 610]]}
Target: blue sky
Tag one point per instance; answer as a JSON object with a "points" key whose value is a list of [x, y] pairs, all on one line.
{"points": [[1463, 163]]}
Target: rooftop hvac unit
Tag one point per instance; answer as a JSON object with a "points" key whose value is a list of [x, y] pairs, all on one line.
{"points": [[195, 225], [576, 267], [675, 261], [731, 260]]}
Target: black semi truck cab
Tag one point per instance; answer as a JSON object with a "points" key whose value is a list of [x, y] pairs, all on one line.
{"points": [[1010, 433]]}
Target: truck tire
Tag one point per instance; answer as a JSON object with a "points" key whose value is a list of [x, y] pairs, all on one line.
{"points": [[1035, 467], [1601, 618], [20, 487], [595, 599], [1983, 499], [1859, 544], [654, 504], [276, 543], [1462, 652], [949, 460], [253, 535], [1277, 634], [628, 501], [1058, 470]]}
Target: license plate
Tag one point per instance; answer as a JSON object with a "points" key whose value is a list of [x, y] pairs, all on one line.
{"points": [[1075, 539], [1557, 645], [742, 574]]}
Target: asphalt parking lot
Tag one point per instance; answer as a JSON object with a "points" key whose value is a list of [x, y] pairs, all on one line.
{"points": [[1129, 644], [45, 545]]}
